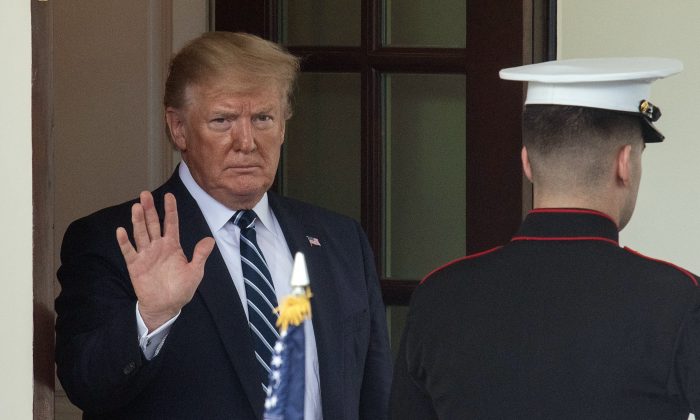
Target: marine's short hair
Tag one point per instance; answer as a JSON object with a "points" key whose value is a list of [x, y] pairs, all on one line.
{"points": [[254, 61], [580, 138]]}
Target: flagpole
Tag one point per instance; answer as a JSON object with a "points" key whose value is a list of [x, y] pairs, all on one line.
{"points": [[285, 395]]}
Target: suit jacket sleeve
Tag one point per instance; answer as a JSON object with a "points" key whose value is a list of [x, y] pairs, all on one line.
{"points": [[376, 383], [684, 381], [98, 358]]}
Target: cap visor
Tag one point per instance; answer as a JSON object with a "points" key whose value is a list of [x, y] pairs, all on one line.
{"points": [[649, 133]]}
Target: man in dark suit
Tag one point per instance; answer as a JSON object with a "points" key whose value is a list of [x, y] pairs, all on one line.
{"points": [[160, 321], [562, 322]]}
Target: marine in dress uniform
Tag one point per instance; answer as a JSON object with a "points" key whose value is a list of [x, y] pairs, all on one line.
{"points": [[562, 322]]}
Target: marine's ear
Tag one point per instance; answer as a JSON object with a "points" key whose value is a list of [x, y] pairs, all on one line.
{"points": [[623, 162], [526, 163]]}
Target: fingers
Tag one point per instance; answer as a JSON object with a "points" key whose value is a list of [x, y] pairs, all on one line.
{"points": [[201, 252], [127, 249], [171, 224], [138, 222], [146, 226], [150, 214], [145, 220]]}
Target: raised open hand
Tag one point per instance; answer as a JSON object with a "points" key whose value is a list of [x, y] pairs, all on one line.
{"points": [[163, 279]]}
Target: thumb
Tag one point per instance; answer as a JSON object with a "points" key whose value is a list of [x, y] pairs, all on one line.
{"points": [[202, 251]]}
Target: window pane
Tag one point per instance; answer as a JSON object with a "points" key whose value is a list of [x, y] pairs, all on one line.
{"points": [[320, 22], [396, 322], [425, 170], [322, 148], [436, 23]]}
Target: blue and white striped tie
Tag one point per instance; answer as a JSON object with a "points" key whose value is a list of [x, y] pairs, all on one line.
{"points": [[260, 293]]}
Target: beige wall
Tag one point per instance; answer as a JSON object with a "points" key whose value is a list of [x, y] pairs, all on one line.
{"points": [[16, 212], [102, 111], [110, 62], [104, 91], [190, 19], [666, 223]]}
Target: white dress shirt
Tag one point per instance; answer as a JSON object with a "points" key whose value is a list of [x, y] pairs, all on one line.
{"points": [[279, 260]]}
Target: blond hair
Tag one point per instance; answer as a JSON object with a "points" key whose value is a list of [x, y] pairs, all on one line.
{"points": [[253, 61]]}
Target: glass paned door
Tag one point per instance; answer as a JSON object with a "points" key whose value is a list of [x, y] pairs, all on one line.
{"points": [[436, 23], [321, 159], [377, 133], [320, 22], [425, 172]]}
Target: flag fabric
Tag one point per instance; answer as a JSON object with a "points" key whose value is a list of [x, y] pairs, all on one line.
{"points": [[313, 241], [285, 392]]}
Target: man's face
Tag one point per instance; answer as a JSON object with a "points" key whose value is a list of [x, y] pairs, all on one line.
{"points": [[230, 141]]}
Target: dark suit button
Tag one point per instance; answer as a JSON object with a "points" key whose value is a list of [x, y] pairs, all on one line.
{"points": [[129, 368]]}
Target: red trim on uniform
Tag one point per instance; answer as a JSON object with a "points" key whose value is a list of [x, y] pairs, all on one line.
{"points": [[564, 238], [467, 257], [577, 211], [682, 270]]}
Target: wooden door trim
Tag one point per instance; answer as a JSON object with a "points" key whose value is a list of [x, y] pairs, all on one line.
{"points": [[43, 205], [493, 149]]}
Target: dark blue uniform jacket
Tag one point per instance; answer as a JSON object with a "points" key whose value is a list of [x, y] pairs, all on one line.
{"points": [[560, 323]]}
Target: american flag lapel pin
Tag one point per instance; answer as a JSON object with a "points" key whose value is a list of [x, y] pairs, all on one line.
{"points": [[313, 241]]}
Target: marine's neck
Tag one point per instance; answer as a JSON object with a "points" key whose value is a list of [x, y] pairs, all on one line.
{"points": [[604, 203]]}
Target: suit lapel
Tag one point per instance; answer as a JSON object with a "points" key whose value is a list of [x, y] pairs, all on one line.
{"points": [[299, 231], [219, 295]]}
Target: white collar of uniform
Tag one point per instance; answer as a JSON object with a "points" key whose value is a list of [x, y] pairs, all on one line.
{"points": [[217, 214]]}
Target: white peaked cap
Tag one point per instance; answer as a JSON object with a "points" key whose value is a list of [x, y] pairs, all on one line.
{"points": [[300, 276], [618, 84]]}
